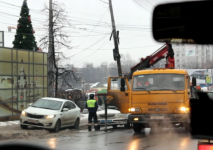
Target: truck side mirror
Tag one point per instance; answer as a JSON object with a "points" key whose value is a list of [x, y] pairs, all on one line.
{"points": [[122, 88], [194, 81]]}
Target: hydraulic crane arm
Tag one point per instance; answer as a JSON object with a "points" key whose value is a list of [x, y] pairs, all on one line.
{"points": [[165, 51]]}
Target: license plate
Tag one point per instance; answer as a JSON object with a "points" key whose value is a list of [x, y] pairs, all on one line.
{"points": [[33, 121], [108, 121], [157, 117]]}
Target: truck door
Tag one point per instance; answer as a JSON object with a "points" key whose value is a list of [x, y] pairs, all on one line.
{"points": [[118, 98]]}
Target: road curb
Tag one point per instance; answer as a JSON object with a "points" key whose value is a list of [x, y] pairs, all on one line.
{"points": [[8, 132]]}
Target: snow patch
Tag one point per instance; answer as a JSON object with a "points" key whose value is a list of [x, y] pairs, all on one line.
{"points": [[17, 122], [9, 123]]}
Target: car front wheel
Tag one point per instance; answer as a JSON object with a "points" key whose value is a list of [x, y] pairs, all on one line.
{"points": [[23, 126], [57, 126], [76, 125]]}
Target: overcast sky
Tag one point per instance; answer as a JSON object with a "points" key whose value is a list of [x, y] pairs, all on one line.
{"points": [[91, 27]]}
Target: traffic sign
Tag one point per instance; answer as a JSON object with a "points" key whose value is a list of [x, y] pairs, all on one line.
{"points": [[208, 79]]}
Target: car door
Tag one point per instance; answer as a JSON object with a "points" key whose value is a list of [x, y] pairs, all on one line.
{"points": [[70, 114], [73, 112], [118, 98], [65, 115]]}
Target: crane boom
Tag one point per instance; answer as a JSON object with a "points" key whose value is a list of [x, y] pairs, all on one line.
{"points": [[165, 51]]}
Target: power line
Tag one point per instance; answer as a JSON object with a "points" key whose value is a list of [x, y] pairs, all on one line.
{"points": [[97, 60], [80, 12], [91, 45], [149, 2], [120, 48], [56, 35], [142, 6], [91, 53], [18, 16], [38, 11], [91, 31]]}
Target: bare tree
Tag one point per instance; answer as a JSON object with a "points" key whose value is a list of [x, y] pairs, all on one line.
{"points": [[60, 39], [127, 62]]}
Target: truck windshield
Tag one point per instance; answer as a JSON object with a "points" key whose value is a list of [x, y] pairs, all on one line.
{"points": [[158, 82]]}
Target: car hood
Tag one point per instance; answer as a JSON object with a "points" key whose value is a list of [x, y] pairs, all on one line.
{"points": [[109, 111], [40, 111]]}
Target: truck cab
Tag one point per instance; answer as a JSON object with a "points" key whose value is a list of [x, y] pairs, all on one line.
{"points": [[154, 97]]}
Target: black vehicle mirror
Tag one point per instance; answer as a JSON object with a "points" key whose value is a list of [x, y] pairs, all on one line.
{"points": [[122, 88], [194, 81], [201, 110], [183, 22]]}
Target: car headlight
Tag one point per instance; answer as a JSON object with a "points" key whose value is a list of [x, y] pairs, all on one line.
{"points": [[119, 115], [49, 116], [23, 113]]}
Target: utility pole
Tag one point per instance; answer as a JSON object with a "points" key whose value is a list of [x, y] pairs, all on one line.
{"points": [[116, 40], [50, 52]]}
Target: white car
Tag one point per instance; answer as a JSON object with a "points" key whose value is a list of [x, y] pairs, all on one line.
{"points": [[51, 113], [114, 118], [204, 87]]}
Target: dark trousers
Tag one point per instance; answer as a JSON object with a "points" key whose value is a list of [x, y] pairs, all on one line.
{"points": [[94, 116]]}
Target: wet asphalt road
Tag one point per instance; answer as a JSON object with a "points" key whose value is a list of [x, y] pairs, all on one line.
{"points": [[121, 139]]}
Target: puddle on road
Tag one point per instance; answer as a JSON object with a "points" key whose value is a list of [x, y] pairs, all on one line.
{"points": [[52, 143]]}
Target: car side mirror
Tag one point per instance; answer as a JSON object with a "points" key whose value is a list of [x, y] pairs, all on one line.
{"points": [[65, 109], [30, 104]]}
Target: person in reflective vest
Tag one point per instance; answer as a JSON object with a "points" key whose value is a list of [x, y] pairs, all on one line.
{"points": [[92, 107]]}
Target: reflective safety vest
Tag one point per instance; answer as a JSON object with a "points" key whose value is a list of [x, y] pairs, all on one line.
{"points": [[91, 103]]}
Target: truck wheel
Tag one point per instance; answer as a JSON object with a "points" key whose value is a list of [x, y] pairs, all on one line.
{"points": [[127, 125], [137, 127], [186, 127]]}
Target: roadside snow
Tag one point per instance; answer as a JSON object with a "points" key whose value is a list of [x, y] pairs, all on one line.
{"points": [[9, 123], [17, 122], [84, 116]]}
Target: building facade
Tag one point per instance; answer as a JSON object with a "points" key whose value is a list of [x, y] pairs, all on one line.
{"points": [[191, 56]]}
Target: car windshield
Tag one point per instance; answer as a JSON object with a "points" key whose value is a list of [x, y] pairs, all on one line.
{"points": [[155, 82], [47, 104]]}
